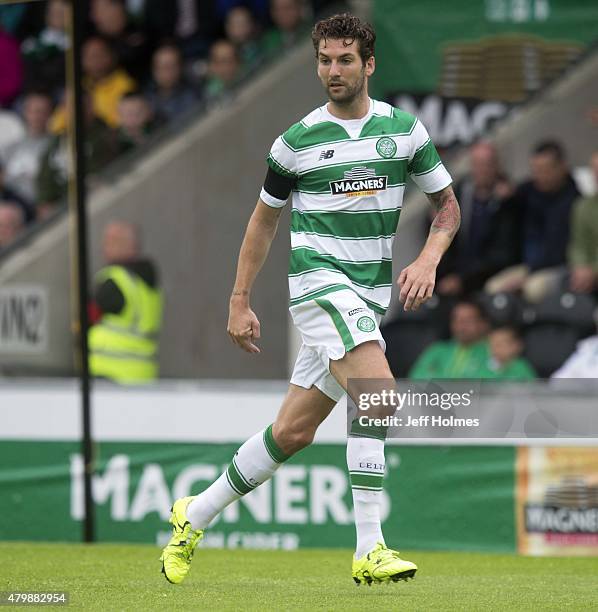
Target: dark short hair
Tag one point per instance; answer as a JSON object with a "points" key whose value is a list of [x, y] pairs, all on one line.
{"points": [[346, 27], [121, 3], [512, 329], [169, 43], [473, 303], [39, 92], [550, 147], [103, 40], [226, 41]]}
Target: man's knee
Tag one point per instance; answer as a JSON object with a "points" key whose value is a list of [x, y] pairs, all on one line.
{"points": [[291, 438], [366, 360]]}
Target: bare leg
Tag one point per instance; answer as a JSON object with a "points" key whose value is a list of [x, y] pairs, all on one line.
{"points": [[365, 361], [299, 417]]}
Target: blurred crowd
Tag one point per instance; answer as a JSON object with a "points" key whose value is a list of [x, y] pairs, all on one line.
{"points": [[517, 290], [145, 63], [526, 255]]}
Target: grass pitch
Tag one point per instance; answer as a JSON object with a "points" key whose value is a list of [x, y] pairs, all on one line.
{"points": [[112, 577]]}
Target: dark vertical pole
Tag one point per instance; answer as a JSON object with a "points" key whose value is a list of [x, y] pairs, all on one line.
{"points": [[78, 212]]}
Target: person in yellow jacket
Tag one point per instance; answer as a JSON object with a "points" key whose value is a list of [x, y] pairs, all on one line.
{"points": [[127, 310], [104, 81]]}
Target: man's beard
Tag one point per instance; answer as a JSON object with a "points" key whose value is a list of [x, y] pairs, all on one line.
{"points": [[350, 92]]}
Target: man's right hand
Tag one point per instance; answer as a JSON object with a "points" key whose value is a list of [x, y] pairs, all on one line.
{"points": [[243, 326]]}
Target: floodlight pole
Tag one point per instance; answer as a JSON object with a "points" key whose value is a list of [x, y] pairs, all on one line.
{"points": [[78, 214]]}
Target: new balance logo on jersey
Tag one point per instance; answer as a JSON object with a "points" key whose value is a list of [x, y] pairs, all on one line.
{"points": [[326, 154], [359, 181]]}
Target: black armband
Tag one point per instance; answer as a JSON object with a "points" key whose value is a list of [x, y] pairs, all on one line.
{"points": [[278, 186]]}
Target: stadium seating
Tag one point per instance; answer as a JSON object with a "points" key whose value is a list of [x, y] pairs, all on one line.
{"points": [[553, 328], [503, 308], [409, 333]]}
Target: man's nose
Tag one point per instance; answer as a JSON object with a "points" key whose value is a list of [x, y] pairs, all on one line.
{"points": [[335, 68]]}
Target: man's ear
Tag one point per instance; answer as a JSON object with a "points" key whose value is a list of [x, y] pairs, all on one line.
{"points": [[370, 66]]}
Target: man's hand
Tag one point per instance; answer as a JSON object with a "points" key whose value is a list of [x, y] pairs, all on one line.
{"points": [[583, 279], [243, 326], [417, 280], [417, 283], [511, 285]]}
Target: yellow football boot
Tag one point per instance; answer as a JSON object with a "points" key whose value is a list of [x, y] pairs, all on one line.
{"points": [[382, 564], [177, 554]]}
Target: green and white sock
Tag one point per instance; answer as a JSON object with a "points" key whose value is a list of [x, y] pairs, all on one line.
{"points": [[365, 460], [253, 464]]}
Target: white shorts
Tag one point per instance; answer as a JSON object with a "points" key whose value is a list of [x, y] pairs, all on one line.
{"points": [[331, 326]]}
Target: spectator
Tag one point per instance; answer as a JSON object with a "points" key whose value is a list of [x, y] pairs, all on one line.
{"points": [[223, 68], [129, 43], [12, 16], [505, 361], [123, 342], [31, 22], [43, 54], [583, 245], [288, 18], [12, 223], [22, 159], [22, 19], [54, 169], [465, 355], [8, 195], [135, 121], [11, 68], [484, 244], [583, 363], [241, 29], [191, 23], [106, 82], [168, 93], [11, 130], [544, 206], [259, 8]]}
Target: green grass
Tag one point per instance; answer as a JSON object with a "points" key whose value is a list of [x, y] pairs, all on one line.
{"points": [[112, 577]]}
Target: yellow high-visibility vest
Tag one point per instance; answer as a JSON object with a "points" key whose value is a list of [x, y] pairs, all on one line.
{"points": [[123, 347]]}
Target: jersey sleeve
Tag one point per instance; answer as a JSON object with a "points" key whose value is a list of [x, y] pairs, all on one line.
{"points": [[425, 166], [282, 174]]}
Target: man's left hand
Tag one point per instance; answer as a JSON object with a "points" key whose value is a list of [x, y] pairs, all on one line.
{"points": [[416, 282]]}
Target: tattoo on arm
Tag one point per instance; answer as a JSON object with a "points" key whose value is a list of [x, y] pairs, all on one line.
{"points": [[448, 215]]}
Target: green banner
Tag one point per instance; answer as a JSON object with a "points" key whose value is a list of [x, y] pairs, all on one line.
{"points": [[461, 66], [412, 36], [459, 498]]}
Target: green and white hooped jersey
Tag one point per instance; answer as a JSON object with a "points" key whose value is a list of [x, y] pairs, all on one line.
{"points": [[348, 179]]}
